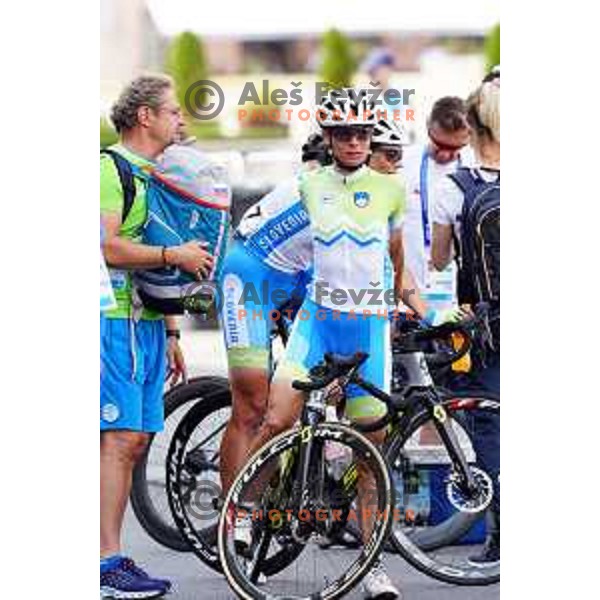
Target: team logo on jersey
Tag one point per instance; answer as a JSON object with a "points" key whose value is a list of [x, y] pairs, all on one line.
{"points": [[361, 199], [110, 413], [327, 198]]}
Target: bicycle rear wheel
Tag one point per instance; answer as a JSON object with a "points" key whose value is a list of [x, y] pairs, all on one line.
{"points": [[148, 491], [415, 450], [193, 479], [268, 486]]}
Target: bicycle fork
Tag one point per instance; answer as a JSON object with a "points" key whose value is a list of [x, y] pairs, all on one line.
{"points": [[420, 378], [312, 414]]}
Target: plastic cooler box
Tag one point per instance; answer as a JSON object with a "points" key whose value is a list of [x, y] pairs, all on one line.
{"points": [[424, 493]]}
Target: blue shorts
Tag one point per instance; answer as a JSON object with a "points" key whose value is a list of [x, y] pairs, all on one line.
{"points": [[132, 374], [253, 293], [318, 330]]}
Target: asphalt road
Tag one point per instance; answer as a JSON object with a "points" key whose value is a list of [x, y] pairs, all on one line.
{"points": [[194, 581]]}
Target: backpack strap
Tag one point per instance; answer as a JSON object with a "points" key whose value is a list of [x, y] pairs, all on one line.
{"points": [[466, 180], [126, 178]]}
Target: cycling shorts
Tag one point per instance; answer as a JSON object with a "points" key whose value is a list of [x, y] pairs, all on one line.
{"points": [[253, 295], [319, 329]]}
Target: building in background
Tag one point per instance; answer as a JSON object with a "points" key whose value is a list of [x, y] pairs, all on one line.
{"points": [[130, 43]]}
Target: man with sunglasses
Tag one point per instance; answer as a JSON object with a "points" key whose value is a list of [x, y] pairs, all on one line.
{"points": [[423, 167]]}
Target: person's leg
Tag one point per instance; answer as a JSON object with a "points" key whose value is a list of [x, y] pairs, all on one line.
{"points": [[304, 349], [282, 410], [132, 380], [371, 335], [249, 390], [119, 452], [121, 441], [246, 331], [485, 431], [247, 318]]}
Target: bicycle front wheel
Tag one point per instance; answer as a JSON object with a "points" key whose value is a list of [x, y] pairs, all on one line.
{"points": [[292, 496], [432, 505]]}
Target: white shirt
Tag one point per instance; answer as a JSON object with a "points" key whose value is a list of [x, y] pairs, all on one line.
{"points": [[417, 255], [449, 199]]}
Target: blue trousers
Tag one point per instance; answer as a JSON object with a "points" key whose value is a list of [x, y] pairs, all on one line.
{"points": [[485, 428]]}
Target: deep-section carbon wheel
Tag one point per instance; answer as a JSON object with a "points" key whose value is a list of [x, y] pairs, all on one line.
{"points": [[267, 507]]}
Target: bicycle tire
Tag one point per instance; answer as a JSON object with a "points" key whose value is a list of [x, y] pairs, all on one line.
{"points": [[175, 456], [195, 539], [406, 547], [452, 529], [238, 579], [158, 525]]}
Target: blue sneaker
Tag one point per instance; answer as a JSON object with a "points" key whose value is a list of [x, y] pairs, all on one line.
{"points": [[125, 581], [129, 565]]}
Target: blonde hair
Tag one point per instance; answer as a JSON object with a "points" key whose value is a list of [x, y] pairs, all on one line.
{"points": [[483, 110]]}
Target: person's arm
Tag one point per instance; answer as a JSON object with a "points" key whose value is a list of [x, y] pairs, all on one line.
{"points": [[125, 254], [175, 359], [404, 283], [446, 206], [442, 246], [415, 301]]}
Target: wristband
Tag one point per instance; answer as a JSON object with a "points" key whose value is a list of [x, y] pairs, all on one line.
{"points": [[176, 333]]}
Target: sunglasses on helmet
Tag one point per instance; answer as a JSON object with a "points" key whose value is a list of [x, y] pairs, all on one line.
{"points": [[392, 154]]}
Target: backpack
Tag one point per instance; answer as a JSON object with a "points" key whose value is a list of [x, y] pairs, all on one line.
{"points": [[186, 201], [478, 249], [126, 178]]}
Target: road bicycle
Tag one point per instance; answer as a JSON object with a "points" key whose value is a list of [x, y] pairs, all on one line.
{"points": [[192, 466], [295, 467], [416, 540]]}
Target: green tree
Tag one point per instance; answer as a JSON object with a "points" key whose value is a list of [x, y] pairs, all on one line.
{"points": [[492, 47], [186, 63], [338, 61], [108, 135]]}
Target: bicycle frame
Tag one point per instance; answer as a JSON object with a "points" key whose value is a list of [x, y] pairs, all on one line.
{"points": [[418, 397]]}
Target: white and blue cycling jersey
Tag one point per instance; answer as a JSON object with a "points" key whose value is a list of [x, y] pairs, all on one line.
{"points": [[276, 230], [266, 268]]}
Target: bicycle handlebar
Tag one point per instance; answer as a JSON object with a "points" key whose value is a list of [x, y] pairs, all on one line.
{"points": [[412, 339], [336, 366]]}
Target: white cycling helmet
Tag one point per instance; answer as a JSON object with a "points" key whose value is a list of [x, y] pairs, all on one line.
{"points": [[492, 75], [389, 133], [347, 107]]}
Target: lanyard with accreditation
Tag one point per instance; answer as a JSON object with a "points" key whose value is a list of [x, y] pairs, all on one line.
{"points": [[442, 283], [424, 195]]}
